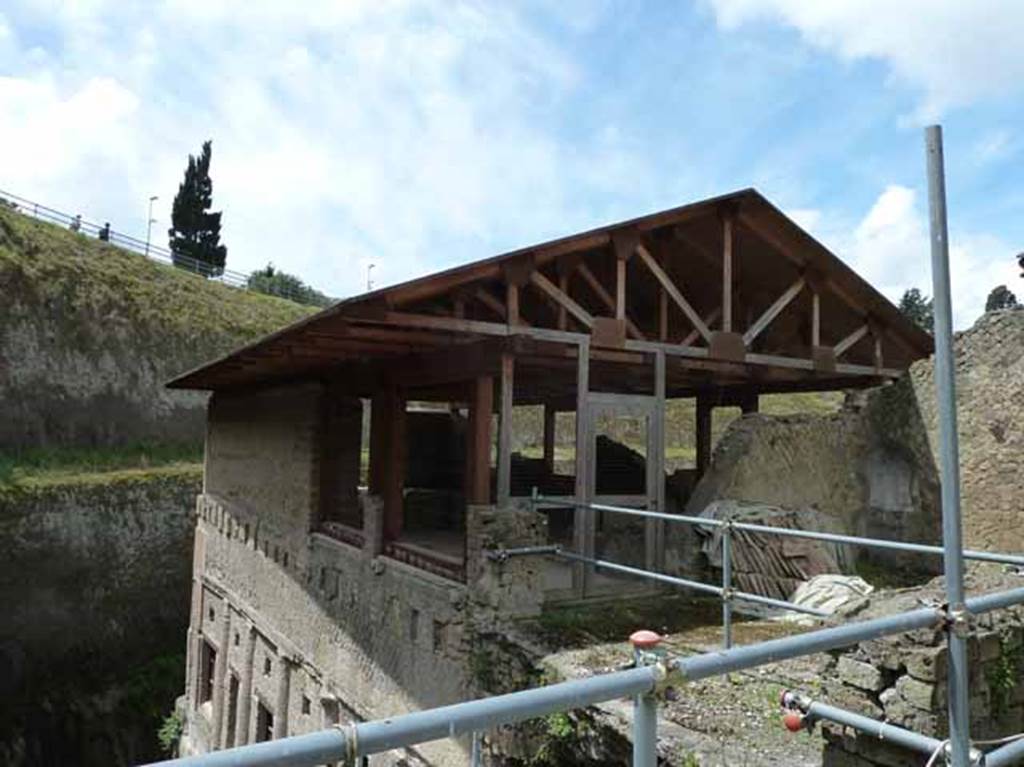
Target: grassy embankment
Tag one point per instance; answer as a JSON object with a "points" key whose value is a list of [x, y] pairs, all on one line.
{"points": [[91, 290]]}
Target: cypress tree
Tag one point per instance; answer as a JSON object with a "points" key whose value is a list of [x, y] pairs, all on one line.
{"points": [[195, 231]]}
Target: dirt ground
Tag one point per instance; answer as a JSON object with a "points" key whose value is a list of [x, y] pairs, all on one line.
{"points": [[733, 720]]}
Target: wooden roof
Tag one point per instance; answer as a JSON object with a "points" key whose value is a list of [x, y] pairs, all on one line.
{"points": [[655, 284]]}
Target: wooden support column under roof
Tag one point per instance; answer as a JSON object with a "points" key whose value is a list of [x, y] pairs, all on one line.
{"points": [[395, 454], [478, 441], [582, 521], [550, 424], [703, 434], [504, 481]]}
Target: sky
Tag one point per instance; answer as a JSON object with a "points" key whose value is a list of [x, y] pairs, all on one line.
{"points": [[415, 136]]}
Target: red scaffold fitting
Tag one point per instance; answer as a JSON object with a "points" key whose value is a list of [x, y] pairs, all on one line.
{"points": [[644, 639], [793, 721]]}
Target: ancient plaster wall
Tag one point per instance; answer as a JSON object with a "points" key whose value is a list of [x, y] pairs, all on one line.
{"points": [[94, 588], [872, 467]]}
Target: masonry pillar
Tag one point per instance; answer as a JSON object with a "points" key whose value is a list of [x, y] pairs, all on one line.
{"points": [[245, 689], [284, 680], [220, 672], [703, 433]]}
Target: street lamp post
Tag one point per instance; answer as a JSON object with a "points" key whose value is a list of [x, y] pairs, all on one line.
{"points": [[149, 223]]}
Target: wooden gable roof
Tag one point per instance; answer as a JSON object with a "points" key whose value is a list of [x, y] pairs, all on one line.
{"points": [[729, 288]]}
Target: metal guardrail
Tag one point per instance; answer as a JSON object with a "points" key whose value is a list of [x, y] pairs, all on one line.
{"points": [[127, 242]]}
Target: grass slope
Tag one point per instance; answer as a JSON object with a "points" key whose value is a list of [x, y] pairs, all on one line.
{"points": [[94, 296]]}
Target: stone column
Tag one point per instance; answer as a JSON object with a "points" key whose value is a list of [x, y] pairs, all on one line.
{"points": [[284, 681], [245, 689]]}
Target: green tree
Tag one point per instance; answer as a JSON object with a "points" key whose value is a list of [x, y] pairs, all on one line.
{"points": [[1001, 298], [275, 283], [195, 231], [918, 309]]}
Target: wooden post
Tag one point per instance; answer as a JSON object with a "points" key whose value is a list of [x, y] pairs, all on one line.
{"points": [[394, 470], [512, 303], [654, 542], [563, 285], [663, 307], [549, 438], [815, 319], [750, 404], [583, 536], [478, 442], [704, 410], [727, 274], [378, 443], [505, 430], [620, 288]]}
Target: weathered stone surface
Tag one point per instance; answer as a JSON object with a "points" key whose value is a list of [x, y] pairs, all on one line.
{"points": [[860, 674]]}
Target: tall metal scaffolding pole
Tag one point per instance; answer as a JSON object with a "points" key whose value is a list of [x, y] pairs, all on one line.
{"points": [[949, 459]]}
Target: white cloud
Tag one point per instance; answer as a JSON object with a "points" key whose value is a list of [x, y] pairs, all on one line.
{"points": [[956, 52], [890, 247], [407, 134]]}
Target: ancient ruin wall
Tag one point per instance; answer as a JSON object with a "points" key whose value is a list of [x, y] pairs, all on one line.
{"points": [[94, 590], [871, 467]]}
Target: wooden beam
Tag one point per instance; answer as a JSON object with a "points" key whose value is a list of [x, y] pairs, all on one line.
{"points": [[504, 490], [851, 339], [727, 274], [549, 289], [549, 437], [878, 350], [703, 434], [773, 311], [606, 299], [478, 442], [394, 471], [563, 285], [815, 319], [662, 310], [511, 304], [673, 291], [709, 319], [620, 288], [583, 541], [654, 542]]}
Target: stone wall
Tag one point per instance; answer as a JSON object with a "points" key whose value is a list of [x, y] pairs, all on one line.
{"points": [[94, 590], [902, 679], [311, 630], [871, 468]]}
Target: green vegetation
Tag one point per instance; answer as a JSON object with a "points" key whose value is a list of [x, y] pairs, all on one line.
{"points": [[1002, 674], [916, 307], [38, 465], [97, 289], [170, 732], [276, 283], [195, 231]]}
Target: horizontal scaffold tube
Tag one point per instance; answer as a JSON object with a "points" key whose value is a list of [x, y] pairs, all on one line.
{"points": [[489, 713], [851, 540], [324, 747], [1012, 753], [688, 584], [880, 730]]}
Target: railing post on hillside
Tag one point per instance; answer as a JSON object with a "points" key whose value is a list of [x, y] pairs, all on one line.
{"points": [[645, 705], [727, 584], [475, 754]]}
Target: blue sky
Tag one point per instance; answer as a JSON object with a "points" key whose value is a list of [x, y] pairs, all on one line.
{"points": [[415, 136]]}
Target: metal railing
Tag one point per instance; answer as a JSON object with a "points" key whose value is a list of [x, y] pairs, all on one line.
{"points": [[135, 245], [652, 671], [726, 592]]}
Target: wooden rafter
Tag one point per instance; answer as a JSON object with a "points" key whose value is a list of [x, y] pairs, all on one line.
{"points": [[549, 289], [606, 299], [773, 311], [851, 339], [673, 291], [709, 319]]}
